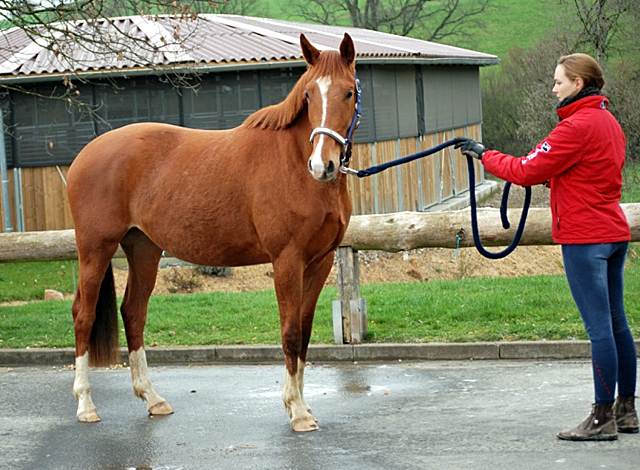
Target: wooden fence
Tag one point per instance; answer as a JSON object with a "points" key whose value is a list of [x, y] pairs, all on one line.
{"points": [[414, 186]]}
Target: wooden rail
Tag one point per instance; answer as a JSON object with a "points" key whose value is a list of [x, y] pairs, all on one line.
{"points": [[388, 232]]}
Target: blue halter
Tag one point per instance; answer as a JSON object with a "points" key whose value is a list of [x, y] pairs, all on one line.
{"points": [[345, 156]]}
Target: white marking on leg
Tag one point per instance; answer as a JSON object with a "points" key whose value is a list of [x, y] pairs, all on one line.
{"points": [[297, 407], [142, 386], [300, 384], [317, 165], [291, 396], [82, 391]]}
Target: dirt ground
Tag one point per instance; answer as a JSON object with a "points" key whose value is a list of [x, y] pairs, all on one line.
{"points": [[377, 267]]}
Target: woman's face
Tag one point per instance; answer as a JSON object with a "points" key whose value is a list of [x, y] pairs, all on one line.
{"points": [[563, 86]]}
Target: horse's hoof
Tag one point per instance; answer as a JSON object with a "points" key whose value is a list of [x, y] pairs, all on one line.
{"points": [[161, 408], [306, 424], [88, 417]]}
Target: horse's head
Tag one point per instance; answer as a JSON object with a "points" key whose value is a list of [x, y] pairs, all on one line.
{"points": [[330, 93]]}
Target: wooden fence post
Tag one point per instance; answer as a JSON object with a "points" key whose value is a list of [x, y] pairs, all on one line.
{"points": [[350, 311]]}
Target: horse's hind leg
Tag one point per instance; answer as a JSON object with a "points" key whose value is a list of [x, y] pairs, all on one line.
{"points": [[97, 340], [143, 257]]}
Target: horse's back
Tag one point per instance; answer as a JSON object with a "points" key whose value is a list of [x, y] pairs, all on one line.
{"points": [[122, 164], [134, 144], [134, 155], [188, 190]]}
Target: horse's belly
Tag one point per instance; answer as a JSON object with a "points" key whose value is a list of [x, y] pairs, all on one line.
{"points": [[226, 255], [211, 247]]}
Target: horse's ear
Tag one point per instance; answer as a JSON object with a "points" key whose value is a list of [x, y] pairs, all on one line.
{"points": [[309, 52], [347, 49]]}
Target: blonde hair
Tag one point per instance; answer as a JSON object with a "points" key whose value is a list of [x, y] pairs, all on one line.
{"points": [[583, 66]]}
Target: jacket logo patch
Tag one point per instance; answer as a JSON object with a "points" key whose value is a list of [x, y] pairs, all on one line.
{"points": [[545, 147]]}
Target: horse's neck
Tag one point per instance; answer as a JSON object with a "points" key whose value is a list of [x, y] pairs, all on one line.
{"points": [[301, 128]]}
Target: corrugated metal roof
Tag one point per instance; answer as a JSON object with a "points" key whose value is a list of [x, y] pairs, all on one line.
{"points": [[208, 40]]}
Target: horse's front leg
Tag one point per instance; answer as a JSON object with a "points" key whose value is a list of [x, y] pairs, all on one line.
{"points": [[288, 281], [314, 278]]}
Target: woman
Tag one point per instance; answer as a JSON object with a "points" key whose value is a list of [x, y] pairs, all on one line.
{"points": [[582, 162]]}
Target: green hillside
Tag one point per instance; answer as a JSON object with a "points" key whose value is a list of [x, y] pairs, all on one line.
{"points": [[505, 24]]}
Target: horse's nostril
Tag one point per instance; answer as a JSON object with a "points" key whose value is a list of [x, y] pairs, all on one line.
{"points": [[310, 167], [331, 167]]}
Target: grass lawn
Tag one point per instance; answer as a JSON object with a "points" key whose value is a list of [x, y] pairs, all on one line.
{"points": [[511, 309]]}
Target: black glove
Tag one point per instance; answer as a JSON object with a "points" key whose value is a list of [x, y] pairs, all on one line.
{"points": [[471, 148]]}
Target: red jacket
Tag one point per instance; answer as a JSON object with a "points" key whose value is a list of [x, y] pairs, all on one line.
{"points": [[582, 159]]}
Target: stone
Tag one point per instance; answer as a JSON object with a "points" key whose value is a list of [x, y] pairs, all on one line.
{"points": [[51, 294]]}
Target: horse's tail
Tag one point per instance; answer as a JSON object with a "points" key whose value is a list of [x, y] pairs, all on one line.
{"points": [[104, 346]]}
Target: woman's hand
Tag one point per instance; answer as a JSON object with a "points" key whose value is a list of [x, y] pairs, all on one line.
{"points": [[471, 148]]}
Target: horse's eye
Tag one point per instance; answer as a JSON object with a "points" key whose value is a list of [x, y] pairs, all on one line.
{"points": [[349, 94]]}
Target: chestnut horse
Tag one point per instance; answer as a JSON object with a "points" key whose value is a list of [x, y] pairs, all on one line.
{"points": [[269, 190]]}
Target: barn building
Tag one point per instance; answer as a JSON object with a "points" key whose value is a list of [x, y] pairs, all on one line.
{"points": [[416, 94]]}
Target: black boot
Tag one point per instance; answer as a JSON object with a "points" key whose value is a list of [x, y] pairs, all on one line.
{"points": [[624, 410], [600, 425]]}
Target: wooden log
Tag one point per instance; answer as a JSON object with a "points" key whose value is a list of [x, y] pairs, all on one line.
{"points": [[388, 232], [408, 230], [49, 245], [38, 246]]}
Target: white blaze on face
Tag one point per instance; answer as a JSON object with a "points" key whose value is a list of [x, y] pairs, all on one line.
{"points": [[317, 165]]}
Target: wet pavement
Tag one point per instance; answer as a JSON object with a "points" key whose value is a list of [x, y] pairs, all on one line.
{"points": [[396, 415]]}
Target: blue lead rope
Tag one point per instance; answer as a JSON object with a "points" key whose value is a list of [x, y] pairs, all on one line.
{"points": [[400, 161], [503, 215], [472, 197]]}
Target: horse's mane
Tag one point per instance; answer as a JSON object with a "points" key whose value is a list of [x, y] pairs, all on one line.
{"points": [[283, 114]]}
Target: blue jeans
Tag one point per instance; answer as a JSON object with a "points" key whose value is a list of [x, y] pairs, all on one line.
{"points": [[596, 276]]}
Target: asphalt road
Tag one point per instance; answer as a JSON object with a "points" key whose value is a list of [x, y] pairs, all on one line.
{"points": [[399, 415]]}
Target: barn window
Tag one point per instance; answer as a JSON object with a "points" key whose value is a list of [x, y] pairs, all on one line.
{"points": [[8, 141], [366, 130], [451, 97], [136, 100], [385, 104], [222, 100], [276, 84], [47, 131], [389, 103], [201, 107]]}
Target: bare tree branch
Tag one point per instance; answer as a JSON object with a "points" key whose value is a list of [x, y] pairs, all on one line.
{"points": [[435, 20], [601, 23]]}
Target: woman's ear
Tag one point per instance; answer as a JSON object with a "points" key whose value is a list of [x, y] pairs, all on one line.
{"points": [[579, 83]]}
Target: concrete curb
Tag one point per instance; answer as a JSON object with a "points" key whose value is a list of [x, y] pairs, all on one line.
{"points": [[319, 353]]}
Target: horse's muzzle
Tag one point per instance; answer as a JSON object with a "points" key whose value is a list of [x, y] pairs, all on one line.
{"points": [[328, 173]]}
